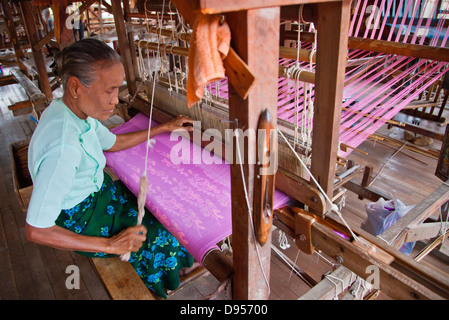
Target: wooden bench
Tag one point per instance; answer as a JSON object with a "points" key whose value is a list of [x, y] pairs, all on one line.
{"points": [[36, 97], [120, 279]]}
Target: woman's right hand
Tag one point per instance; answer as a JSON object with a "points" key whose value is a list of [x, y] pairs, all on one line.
{"points": [[128, 240]]}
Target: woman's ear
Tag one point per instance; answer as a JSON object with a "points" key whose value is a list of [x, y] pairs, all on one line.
{"points": [[73, 86]]}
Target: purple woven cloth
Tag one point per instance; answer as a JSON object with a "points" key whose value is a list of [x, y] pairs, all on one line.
{"points": [[193, 201]]}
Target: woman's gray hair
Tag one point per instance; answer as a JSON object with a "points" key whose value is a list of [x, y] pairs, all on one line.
{"points": [[82, 59]]}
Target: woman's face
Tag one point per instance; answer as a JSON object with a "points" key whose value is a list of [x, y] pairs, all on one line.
{"points": [[99, 99]]}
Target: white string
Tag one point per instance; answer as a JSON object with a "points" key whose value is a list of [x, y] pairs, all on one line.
{"points": [[330, 277], [283, 240], [444, 225], [143, 185], [149, 142], [249, 209], [333, 206], [297, 74]]}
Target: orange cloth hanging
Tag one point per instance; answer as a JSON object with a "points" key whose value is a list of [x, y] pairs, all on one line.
{"points": [[209, 45]]}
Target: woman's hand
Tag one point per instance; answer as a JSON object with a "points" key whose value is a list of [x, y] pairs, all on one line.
{"points": [[128, 240], [180, 122], [131, 139]]}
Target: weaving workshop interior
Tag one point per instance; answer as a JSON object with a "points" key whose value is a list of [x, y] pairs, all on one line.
{"points": [[224, 150]]}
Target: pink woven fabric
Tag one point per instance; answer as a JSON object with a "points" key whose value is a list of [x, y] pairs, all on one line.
{"points": [[193, 201]]}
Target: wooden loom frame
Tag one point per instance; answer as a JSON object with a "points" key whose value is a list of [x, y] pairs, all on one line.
{"points": [[401, 277], [328, 79]]}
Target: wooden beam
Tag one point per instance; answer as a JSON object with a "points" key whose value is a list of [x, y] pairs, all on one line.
{"points": [[284, 52], [237, 71], [425, 231], [33, 37], [132, 48], [219, 6], [300, 190], [396, 234], [383, 46], [331, 286], [304, 75], [255, 39], [332, 26], [6, 80], [44, 40], [30, 88], [11, 29], [402, 49], [125, 50], [63, 35]]}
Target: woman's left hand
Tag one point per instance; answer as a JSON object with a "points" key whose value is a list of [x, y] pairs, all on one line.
{"points": [[180, 122]]}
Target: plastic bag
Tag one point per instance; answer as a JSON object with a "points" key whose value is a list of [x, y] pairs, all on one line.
{"points": [[382, 215]]}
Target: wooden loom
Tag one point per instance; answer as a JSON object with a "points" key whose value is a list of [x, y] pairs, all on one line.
{"points": [[401, 277], [298, 222]]}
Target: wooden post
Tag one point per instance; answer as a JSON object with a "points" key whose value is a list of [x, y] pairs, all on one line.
{"points": [[11, 29], [332, 40], [125, 50], [63, 35], [33, 38], [132, 47], [255, 38]]}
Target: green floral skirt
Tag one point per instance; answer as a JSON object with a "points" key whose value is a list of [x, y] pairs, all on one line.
{"points": [[114, 208]]}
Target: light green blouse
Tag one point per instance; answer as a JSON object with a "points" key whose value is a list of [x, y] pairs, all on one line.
{"points": [[66, 162]]}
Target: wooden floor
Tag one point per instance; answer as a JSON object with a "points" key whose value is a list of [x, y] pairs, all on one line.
{"points": [[31, 271]]}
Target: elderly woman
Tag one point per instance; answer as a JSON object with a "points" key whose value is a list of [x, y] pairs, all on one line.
{"points": [[75, 205]]}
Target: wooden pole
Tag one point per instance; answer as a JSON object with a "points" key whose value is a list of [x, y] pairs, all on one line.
{"points": [[63, 35], [33, 37], [255, 37], [332, 26], [125, 50], [389, 47], [11, 29]]}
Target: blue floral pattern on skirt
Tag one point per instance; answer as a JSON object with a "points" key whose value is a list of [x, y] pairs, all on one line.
{"points": [[113, 209]]}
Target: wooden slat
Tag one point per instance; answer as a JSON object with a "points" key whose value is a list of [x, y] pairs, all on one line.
{"points": [[419, 213], [331, 286], [425, 231], [121, 280]]}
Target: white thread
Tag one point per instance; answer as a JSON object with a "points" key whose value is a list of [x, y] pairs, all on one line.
{"points": [[283, 240], [319, 255], [333, 206], [249, 209], [143, 188], [444, 225], [330, 277], [152, 99]]}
